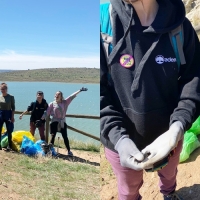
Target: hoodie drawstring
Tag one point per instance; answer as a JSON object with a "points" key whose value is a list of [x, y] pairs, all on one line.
{"points": [[135, 84]]}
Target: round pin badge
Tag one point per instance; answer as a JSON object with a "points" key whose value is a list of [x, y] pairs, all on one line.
{"points": [[126, 61]]}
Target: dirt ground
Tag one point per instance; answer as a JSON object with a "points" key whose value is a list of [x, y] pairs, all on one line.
{"points": [[83, 156], [188, 181], [6, 193]]}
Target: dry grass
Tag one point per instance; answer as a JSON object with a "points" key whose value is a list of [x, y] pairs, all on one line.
{"points": [[44, 178]]}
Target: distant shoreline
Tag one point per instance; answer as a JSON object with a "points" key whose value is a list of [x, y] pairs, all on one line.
{"points": [[61, 75], [49, 82]]}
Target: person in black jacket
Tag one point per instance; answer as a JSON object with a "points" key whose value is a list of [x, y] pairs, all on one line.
{"points": [[37, 109], [147, 98]]}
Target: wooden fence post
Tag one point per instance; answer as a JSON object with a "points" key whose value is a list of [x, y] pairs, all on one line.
{"points": [[47, 129]]}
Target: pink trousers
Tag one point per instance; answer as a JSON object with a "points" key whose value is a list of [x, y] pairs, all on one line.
{"points": [[130, 181]]}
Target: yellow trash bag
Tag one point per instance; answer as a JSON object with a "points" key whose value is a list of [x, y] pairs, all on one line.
{"points": [[3, 130], [17, 137]]}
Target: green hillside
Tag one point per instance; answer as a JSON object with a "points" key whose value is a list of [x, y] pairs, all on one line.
{"points": [[67, 75]]}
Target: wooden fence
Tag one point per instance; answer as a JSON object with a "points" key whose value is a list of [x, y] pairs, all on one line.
{"points": [[69, 127]]}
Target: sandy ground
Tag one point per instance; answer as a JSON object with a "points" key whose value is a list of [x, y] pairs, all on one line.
{"points": [[81, 156], [188, 181]]}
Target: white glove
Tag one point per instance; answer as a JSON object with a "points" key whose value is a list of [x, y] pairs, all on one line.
{"points": [[129, 154], [163, 145]]}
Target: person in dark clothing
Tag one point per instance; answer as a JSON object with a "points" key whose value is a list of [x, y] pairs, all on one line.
{"points": [[147, 98], [7, 109], [37, 109]]}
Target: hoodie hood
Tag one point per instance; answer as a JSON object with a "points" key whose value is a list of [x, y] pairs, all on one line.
{"points": [[171, 14], [44, 101]]}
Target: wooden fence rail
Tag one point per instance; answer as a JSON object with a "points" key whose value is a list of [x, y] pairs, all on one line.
{"points": [[69, 127]]}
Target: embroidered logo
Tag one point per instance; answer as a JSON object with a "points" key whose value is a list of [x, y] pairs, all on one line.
{"points": [[126, 61], [160, 59]]}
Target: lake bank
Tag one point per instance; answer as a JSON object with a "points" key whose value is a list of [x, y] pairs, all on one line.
{"points": [[65, 75]]}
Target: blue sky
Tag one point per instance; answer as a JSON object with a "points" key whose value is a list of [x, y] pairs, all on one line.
{"points": [[49, 33]]}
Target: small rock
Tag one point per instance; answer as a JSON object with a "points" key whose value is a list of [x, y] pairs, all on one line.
{"points": [[189, 176]]}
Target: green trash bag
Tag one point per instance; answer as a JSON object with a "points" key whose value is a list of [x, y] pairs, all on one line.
{"points": [[4, 142], [195, 127], [190, 143]]}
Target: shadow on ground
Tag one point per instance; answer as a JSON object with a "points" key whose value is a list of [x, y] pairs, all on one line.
{"points": [[190, 193], [66, 157], [76, 159]]}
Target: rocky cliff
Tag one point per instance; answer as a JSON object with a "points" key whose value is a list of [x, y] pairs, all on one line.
{"points": [[193, 13]]}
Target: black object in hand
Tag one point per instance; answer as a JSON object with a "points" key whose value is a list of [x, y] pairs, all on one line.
{"points": [[83, 89], [161, 164], [38, 123]]}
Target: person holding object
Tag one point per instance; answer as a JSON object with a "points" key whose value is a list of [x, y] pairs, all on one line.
{"points": [[57, 109], [149, 93], [37, 109], [7, 110]]}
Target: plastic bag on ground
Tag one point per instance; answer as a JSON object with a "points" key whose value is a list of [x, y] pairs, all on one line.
{"points": [[28, 147], [195, 127], [4, 142], [190, 143], [54, 153], [3, 130], [51, 150], [17, 138], [39, 147], [4, 135]]}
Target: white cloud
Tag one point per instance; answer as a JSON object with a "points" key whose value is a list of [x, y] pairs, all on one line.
{"points": [[9, 59]]}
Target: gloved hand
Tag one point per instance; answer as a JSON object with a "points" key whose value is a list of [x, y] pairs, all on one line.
{"points": [[83, 89], [129, 154], [163, 145]]}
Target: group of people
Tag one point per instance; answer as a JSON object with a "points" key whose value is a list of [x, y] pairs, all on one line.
{"points": [[39, 109], [149, 88]]}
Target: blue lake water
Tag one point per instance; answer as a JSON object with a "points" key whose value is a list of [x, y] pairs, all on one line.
{"points": [[86, 103]]}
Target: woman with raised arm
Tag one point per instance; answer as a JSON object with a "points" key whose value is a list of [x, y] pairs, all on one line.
{"points": [[57, 109]]}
